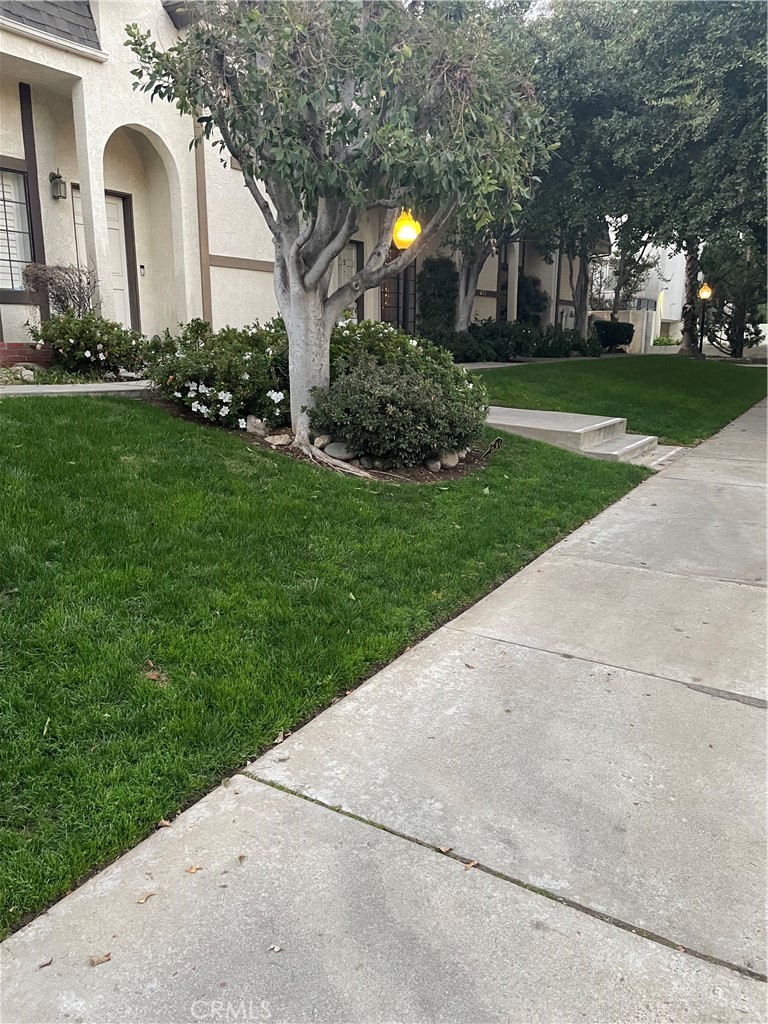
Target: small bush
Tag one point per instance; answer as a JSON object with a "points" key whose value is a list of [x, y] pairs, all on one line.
{"points": [[613, 333], [70, 289], [532, 300], [437, 292], [224, 375], [403, 410], [665, 342], [88, 343]]}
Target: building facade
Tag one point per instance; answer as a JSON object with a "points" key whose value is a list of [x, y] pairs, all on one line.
{"points": [[93, 173]]}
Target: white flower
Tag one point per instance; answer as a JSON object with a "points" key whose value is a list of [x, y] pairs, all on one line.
{"points": [[268, 352], [71, 341], [246, 376], [191, 385], [203, 389], [87, 353], [469, 384], [190, 394], [101, 356], [247, 355], [242, 424], [203, 410], [195, 406], [39, 344], [99, 346], [177, 394], [224, 410], [133, 342], [412, 342], [225, 396], [276, 396]]}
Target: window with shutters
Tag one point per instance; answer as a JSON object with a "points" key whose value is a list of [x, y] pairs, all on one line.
{"points": [[16, 249]]}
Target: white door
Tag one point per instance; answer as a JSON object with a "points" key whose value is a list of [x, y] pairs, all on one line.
{"points": [[118, 259]]}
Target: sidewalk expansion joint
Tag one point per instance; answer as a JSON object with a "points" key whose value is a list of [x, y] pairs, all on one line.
{"points": [[546, 893], [710, 691]]}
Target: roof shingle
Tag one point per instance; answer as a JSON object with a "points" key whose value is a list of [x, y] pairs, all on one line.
{"points": [[67, 19]]}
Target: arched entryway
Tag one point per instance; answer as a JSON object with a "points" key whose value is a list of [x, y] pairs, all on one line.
{"points": [[142, 200]]}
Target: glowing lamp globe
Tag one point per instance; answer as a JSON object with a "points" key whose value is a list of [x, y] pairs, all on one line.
{"points": [[705, 292], [407, 230]]}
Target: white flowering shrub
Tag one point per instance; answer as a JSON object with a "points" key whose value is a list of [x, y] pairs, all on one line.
{"points": [[89, 343], [224, 375]]}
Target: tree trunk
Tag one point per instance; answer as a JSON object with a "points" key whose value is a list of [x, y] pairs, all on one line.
{"points": [[690, 346], [470, 268], [621, 276], [579, 288], [737, 327], [309, 335]]}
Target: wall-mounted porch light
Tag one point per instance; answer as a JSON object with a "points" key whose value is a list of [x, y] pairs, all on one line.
{"points": [[58, 185], [406, 231]]}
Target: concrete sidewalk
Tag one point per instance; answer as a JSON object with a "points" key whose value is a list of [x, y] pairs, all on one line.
{"points": [[552, 810]]}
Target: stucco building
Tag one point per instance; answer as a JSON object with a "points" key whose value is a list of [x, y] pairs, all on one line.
{"points": [[168, 229]]}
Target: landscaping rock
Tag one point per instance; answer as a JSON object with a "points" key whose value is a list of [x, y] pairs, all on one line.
{"points": [[382, 464], [433, 465], [279, 440], [256, 426], [448, 459], [24, 371], [338, 450], [366, 462], [462, 453], [322, 441]]}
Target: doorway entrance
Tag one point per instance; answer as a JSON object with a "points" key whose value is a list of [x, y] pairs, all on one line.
{"points": [[122, 253]]}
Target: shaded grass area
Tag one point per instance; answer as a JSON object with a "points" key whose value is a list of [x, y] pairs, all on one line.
{"points": [[259, 587], [682, 401]]}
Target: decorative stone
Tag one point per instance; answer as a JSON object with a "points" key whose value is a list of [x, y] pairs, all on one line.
{"points": [[366, 462], [448, 459], [256, 426], [338, 450], [24, 371], [322, 441], [354, 462], [462, 453], [279, 440], [433, 465]]}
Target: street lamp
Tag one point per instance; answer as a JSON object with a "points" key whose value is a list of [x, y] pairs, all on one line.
{"points": [[705, 294], [406, 230]]}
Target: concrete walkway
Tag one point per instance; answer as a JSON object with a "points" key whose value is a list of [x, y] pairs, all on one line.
{"points": [[552, 810], [121, 388]]}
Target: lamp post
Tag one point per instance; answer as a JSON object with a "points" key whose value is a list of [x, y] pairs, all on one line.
{"points": [[705, 294]]}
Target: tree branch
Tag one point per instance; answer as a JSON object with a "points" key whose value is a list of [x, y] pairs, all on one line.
{"points": [[332, 250]]}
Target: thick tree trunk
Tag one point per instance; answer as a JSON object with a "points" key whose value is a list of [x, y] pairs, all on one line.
{"points": [[309, 335], [690, 339], [738, 326], [470, 268]]}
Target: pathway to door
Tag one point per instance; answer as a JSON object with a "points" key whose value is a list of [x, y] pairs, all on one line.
{"points": [[551, 810]]}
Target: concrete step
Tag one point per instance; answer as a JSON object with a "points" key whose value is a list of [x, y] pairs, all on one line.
{"points": [[624, 448], [565, 429]]}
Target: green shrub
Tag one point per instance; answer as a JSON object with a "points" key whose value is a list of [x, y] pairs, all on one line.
{"points": [[383, 341], [556, 343], [224, 375], [665, 342], [88, 343], [404, 410], [613, 333], [437, 293], [589, 346]]}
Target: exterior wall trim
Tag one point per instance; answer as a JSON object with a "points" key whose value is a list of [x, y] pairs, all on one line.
{"points": [[50, 40], [202, 225], [241, 263]]}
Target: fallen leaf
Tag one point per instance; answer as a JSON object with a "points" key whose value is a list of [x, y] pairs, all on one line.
{"points": [[225, 782], [163, 823], [96, 960], [240, 858], [275, 949], [472, 864], [352, 597], [280, 737], [445, 849], [46, 964], [467, 665], [486, 490], [145, 897], [193, 869]]}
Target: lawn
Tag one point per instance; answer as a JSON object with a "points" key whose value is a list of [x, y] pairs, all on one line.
{"points": [[258, 587], [682, 401]]}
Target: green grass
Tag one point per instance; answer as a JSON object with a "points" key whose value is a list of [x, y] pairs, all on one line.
{"points": [[260, 587], [681, 401]]}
